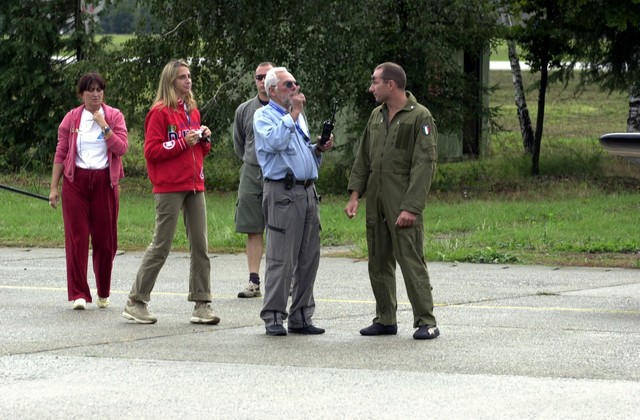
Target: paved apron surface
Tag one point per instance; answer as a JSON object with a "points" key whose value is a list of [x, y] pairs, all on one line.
{"points": [[516, 341]]}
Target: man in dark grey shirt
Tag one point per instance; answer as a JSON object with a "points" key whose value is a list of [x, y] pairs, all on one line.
{"points": [[249, 218]]}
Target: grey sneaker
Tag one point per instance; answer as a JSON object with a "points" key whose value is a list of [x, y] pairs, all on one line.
{"points": [[251, 290], [139, 312], [203, 314]]}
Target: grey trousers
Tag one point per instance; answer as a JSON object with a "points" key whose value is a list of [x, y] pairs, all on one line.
{"points": [[194, 210], [293, 250]]}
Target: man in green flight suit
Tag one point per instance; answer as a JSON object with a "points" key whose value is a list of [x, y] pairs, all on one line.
{"points": [[394, 166]]}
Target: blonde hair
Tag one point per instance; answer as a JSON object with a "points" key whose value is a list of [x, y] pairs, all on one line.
{"points": [[167, 94]]}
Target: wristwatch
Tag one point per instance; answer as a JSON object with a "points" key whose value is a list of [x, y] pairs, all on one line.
{"points": [[106, 129]]}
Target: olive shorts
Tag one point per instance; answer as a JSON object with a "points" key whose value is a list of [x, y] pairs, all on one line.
{"points": [[249, 217]]}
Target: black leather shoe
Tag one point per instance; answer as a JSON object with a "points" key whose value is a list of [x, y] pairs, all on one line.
{"points": [[379, 329], [309, 329], [426, 332], [276, 330]]}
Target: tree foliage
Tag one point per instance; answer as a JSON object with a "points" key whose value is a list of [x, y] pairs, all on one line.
{"points": [[559, 34], [121, 17], [608, 40], [547, 42], [524, 118], [331, 46], [39, 38]]}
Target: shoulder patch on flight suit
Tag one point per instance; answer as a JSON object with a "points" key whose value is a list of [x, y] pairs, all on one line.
{"points": [[428, 141]]}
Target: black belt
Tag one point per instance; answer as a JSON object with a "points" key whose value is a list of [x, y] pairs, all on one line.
{"points": [[306, 183]]}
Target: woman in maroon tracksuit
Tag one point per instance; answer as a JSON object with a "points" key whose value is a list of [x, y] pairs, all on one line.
{"points": [[92, 139]]}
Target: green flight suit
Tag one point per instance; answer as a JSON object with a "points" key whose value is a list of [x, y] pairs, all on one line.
{"points": [[393, 170]]}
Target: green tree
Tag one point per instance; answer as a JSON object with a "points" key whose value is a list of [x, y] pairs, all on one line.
{"points": [[547, 41], [331, 46], [434, 40], [526, 128], [39, 40], [608, 42], [556, 35], [122, 16]]}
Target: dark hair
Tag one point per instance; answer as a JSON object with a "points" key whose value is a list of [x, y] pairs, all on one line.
{"points": [[89, 79], [393, 71]]}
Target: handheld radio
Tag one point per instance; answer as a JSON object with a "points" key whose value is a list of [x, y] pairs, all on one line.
{"points": [[327, 126]]}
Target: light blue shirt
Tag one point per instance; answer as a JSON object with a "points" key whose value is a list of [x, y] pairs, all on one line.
{"points": [[282, 145]]}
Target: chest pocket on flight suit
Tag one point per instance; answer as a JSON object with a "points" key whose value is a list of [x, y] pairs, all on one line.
{"points": [[404, 137], [376, 136]]}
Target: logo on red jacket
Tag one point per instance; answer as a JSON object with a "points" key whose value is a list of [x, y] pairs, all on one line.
{"points": [[172, 136]]}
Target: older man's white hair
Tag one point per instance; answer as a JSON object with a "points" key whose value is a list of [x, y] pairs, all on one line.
{"points": [[271, 80]]}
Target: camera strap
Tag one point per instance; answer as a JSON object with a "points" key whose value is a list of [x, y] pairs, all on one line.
{"points": [[186, 111]]}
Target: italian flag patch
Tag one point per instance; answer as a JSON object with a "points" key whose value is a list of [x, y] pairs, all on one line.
{"points": [[426, 129]]}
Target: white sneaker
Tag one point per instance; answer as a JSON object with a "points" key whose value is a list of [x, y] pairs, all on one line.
{"points": [[138, 311], [80, 304], [203, 314], [103, 303]]}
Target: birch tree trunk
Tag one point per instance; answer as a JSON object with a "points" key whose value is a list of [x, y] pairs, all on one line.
{"points": [[542, 98], [526, 128], [633, 122]]}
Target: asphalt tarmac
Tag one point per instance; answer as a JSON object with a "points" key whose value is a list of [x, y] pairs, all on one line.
{"points": [[516, 342]]}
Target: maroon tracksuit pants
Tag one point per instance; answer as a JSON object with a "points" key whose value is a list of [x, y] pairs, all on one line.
{"points": [[90, 209]]}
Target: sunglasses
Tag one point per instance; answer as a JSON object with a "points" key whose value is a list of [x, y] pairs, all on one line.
{"points": [[260, 77], [291, 85]]}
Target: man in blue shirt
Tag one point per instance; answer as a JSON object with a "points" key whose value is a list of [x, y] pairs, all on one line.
{"points": [[289, 163]]}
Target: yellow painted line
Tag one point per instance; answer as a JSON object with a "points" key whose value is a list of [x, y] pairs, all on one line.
{"points": [[545, 309], [354, 301], [122, 292], [64, 289], [57, 289]]}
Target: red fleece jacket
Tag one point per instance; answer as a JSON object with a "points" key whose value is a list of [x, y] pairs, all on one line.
{"points": [[172, 165]]}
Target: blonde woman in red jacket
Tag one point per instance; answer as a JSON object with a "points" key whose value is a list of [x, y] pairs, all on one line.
{"points": [[175, 144], [92, 139]]}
